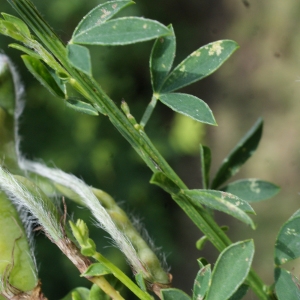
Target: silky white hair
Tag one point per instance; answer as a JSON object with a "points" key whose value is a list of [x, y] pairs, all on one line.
{"points": [[101, 215]]}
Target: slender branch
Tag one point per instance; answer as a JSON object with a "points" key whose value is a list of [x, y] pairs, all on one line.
{"points": [[148, 112], [122, 277]]}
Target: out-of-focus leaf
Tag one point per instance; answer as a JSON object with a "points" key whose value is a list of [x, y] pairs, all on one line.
{"points": [[231, 269], [16, 264], [97, 294], [161, 59], [79, 57], [7, 94], [96, 269], [42, 74], [240, 293], [287, 245], [199, 64], [201, 283], [190, 106], [99, 15], [224, 202], [239, 155], [286, 285], [174, 294], [18, 23], [252, 190], [82, 107], [205, 156], [81, 293], [122, 31]]}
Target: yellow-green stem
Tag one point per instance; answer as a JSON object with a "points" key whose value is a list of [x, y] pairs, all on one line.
{"points": [[122, 277], [106, 287]]}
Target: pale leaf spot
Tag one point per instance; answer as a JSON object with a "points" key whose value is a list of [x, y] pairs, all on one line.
{"points": [[215, 48], [105, 13], [254, 186], [182, 68], [196, 53]]}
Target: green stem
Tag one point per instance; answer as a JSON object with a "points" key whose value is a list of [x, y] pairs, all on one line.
{"points": [[102, 283], [137, 138], [122, 277], [148, 112], [258, 286]]}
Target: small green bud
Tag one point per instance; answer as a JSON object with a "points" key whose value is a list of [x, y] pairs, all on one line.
{"points": [[81, 234], [89, 249], [125, 108], [130, 117], [76, 232]]}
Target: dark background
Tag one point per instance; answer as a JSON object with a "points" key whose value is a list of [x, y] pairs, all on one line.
{"points": [[260, 79]]}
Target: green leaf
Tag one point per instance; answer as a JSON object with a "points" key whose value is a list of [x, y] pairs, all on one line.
{"points": [[202, 262], [99, 15], [18, 23], [17, 267], [9, 29], [165, 183], [205, 156], [252, 190], [97, 294], [161, 59], [239, 155], [231, 269], [25, 50], [79, 57], [199, 64], [81, 106], [201, 242], [201, 283], [174, 294], [288, 239], [224, 202], [190, 106], [240, 293], [286, 285], [42, 74], [122, 31], [140, 281], [81, 293], [96, 269]]}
